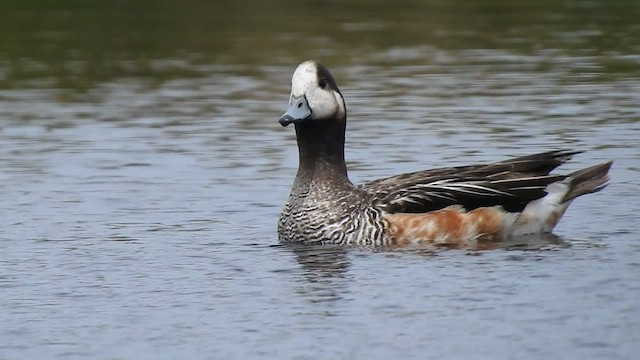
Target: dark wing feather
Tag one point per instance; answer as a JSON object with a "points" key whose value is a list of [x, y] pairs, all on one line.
{"points": [[512, 184]]}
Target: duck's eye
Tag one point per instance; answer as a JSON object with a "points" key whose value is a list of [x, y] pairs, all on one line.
{"points": [[299, 105], [322, 83]]}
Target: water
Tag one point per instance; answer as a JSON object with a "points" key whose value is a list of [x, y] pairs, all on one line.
{"points": [[142, 171]]}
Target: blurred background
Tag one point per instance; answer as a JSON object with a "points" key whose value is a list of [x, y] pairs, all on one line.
{"points": [[80, 45], [142, 172]]}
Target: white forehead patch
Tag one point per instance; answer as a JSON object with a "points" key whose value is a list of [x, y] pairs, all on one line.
{"points": [[305, 77]]}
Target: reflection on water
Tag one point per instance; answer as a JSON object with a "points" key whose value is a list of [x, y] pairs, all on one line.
{"points": [[142, 171], [321, 261], [324, 271]]}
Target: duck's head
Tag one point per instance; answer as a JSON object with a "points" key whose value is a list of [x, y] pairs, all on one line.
{"points": [[314, 96]]}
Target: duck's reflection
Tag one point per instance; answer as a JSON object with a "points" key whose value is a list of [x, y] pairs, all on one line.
{"points": [[324, 269], [532, 242]]}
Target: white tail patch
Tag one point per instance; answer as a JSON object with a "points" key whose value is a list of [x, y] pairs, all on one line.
{"points": [[542, 215]]}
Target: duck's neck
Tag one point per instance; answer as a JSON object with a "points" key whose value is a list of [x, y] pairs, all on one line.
{"points": [[321, 152]]}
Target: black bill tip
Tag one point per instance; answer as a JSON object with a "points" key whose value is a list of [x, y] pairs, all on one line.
{"points": [[286, 120]]}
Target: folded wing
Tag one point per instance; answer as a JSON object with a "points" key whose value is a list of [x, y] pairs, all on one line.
{"points": [[512, 184]]}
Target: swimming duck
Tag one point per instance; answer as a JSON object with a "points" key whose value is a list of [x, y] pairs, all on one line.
{"points": [[459, 206]]}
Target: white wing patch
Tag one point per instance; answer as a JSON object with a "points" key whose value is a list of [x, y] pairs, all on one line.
{"points": [[446, 190]]}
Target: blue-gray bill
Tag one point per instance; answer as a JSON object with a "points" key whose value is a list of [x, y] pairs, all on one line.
{"points": [[298, 110]]}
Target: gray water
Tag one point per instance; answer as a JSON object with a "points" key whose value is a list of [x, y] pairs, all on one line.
{"points": [[142, 172]]}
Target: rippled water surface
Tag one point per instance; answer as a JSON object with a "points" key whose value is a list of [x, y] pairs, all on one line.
{"points": [[142, 171]]}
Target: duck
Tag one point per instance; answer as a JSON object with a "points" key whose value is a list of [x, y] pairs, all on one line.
{"points": [[461, 207]]}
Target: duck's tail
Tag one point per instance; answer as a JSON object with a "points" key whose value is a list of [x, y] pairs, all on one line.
{"points": [[588, 180], [542, 215]]}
